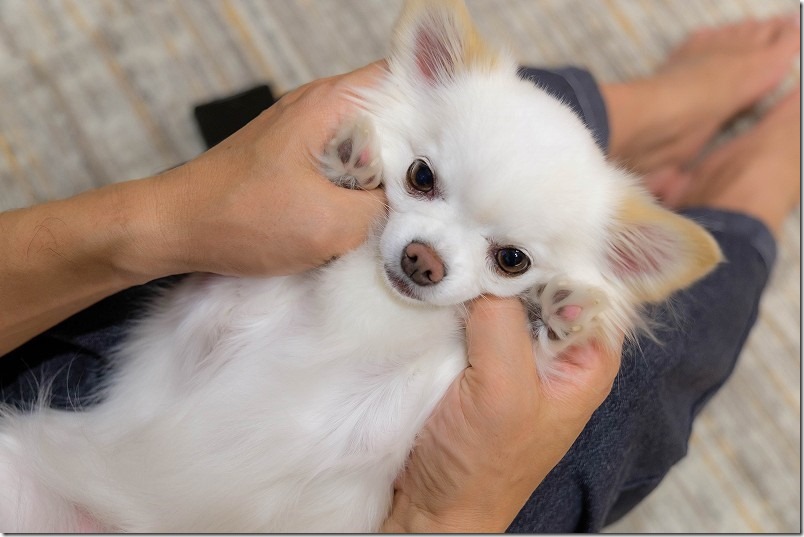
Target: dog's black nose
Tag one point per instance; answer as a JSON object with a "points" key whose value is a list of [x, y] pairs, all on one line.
{"points": [[422, 264]]}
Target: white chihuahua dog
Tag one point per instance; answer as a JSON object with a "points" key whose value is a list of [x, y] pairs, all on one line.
{"points": [[291, 403]]}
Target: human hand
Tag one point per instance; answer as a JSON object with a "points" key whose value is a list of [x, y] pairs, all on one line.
{"points": [[256, 204], [500, 428]]}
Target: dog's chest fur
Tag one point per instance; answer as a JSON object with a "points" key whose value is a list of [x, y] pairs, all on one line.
{"points": [[328, 373]]}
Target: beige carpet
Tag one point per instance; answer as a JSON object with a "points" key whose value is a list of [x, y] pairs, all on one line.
{"points": [[96, 91]]}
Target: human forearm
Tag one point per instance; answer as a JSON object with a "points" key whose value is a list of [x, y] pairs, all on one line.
{"points": [[256, 204], [60, 257]]}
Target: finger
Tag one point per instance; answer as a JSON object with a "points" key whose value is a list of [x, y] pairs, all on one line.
{"points": [[326, 104], [347, 89], [583, 378], [368, 75], [668, 184], [498, 338], [339, 94], [596, 357]]}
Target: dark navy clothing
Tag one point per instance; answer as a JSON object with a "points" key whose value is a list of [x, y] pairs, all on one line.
{"points": [[632, 440], [577, 89], [643, 427]]}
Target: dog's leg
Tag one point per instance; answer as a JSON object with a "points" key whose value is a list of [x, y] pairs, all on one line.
{"points": [[352, 157], [567, 311]]}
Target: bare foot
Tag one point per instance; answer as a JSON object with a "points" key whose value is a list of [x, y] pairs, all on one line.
{"points": [[665, 120], [757, 173]]}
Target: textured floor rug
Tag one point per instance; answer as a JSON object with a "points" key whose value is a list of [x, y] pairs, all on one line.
{"points": [[98, 91]]}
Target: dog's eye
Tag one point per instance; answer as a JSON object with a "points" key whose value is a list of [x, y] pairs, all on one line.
{"points": [[512, 261], [420, 177]]}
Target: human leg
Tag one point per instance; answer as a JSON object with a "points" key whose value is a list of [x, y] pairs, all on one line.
{"points": [[643, 427], [756, 173], [664, 120], [741, 193]]}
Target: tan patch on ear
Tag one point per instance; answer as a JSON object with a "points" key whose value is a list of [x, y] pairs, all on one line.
{"points": [[674, 251], [470, 51]]}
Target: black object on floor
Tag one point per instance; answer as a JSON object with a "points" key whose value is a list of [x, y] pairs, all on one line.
{"points": [[221, 118]]}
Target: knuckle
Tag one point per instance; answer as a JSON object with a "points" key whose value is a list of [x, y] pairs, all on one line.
{"points": [[323, 87]]}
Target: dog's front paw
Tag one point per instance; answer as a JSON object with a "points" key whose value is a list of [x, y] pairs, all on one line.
{"points": [[352, 157], [567, 312]]}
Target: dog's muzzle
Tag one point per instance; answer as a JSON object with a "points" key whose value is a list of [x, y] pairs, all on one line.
{"points": [[422, 264]]}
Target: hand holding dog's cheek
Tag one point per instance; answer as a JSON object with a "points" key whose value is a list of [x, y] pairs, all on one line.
{"points": [[499, 430], [257, 204]]}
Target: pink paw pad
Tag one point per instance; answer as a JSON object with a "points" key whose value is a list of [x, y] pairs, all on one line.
{"points": [[569, 313], [352, 158], [569, 308]]}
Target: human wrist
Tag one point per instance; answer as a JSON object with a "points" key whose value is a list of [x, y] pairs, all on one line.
{"points": [[149, 227]]}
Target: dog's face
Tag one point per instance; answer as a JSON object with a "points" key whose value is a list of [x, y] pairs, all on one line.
{"points": [[495, 187]]}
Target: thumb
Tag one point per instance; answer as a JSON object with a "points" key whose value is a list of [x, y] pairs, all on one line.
{"points": [[500, 352], [538, 413], [502, 370], [581, 379], [498, 337]]}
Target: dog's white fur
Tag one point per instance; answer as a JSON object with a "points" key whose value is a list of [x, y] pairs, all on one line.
{"points": [[290, 404]]}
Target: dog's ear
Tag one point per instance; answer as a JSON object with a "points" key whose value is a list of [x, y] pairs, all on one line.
{"points": [[655, 252], [436, 39]]}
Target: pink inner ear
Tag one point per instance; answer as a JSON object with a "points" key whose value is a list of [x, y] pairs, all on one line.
{"points": [[432, 56], [642, 250]]}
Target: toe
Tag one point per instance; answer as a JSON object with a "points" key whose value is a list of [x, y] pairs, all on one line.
{"points": [[730, 37], [786, 108], [760, 35], [771, 30], [668, 185], [700, 39], [788, 35], [747, 34]]}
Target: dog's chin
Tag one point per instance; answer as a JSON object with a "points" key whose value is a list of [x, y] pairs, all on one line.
{"points": [[402, 286]]}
